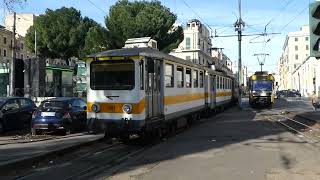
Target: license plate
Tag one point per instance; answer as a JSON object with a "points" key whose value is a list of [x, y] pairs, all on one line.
{"points": [[48, 113]]}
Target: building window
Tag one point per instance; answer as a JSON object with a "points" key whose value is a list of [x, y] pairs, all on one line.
{"points": [[188, 44], [296, 48], [297, 56], [201, 79], [4, 40], [21, 56], [188, 58], [22, 46], [195, 78], [4, 53], [218, 82], [180, 77], [296, 39], [307, 47], [188, 78], [169, 75], [307, 38]]}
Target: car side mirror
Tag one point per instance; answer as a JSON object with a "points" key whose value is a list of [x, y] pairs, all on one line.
{"points": [[85, 108]]}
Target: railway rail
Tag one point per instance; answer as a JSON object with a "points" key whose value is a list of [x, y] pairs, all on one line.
{"points": [[307, 129]]}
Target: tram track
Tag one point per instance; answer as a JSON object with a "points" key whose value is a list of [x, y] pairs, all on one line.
{"points": [[305, 128]]}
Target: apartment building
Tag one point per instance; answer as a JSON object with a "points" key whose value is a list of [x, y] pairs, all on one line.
{"points": [[23, 22], [196, 46], [295, 52]]}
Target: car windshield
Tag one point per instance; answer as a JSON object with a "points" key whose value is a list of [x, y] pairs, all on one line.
{"points": [[262, 86], [112, 75], [53, 104]]}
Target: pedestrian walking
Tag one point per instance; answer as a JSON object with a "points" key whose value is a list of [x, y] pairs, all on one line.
{"points": [[315, 100]]}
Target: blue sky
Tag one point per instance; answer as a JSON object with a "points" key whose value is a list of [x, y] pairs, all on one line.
{"points": [[219, 14]]}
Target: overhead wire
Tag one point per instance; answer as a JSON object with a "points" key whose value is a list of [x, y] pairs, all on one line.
{"points": [[281, 11], [294, 18], [97, 7], [204, 22]]}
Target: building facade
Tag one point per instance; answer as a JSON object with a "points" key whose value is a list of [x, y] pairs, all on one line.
{"points": [[305, 77], [295, 51], [6, 55], [23, 22], [196, 46]]}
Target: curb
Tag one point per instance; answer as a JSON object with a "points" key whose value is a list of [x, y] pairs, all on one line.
{"points": [[22, 163]]}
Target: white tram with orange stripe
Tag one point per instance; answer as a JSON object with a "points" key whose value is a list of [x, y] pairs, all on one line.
{"points": [[142, 91]]}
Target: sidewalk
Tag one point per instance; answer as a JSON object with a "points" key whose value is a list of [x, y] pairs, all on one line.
{"points": [[24, 154]]}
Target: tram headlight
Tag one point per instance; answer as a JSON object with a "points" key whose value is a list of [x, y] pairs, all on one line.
{"points": [[95, 108], [127, 108]]}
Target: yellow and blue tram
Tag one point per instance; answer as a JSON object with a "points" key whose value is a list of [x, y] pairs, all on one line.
{"points": [[261, 89]]}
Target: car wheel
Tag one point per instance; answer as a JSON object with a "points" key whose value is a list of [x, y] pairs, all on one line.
{"points": [[1, 127]]}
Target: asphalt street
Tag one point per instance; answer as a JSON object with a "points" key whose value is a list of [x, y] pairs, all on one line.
{"points": [[239, 143], [236, 144]]}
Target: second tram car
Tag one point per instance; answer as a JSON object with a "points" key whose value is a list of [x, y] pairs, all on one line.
{"points": [[144, 91], [261, 89]]}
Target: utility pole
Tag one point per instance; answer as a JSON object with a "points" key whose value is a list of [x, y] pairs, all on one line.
{"points": [[239, 25], [13, 62]]}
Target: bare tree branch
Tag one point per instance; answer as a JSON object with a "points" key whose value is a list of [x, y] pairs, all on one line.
{"points": [[10, 4]]}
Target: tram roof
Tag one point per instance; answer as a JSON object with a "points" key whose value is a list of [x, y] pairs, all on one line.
{"points": [[147, 52]]}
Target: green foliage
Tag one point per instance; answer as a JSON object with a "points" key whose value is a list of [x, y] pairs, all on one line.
{"points": [[96, 40], [142, 19], [60, 33]]}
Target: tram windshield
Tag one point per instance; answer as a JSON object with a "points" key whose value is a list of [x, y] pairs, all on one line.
{"points": [[112, 75], [262, 85]]}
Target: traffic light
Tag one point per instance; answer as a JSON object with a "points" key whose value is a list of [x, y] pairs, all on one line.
{"points": [[314, 80], [314, 23]]}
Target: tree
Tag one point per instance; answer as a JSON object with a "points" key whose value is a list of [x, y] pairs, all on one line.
{"points": [[142, 19], [60, 33], [96, 40]]}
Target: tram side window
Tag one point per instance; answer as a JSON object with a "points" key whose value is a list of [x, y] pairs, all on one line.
{"points": [[141, 65], [180, 77], [201, 79], [221, 83], [188, 78], [227, 83], [195, 78], [169, 75]]}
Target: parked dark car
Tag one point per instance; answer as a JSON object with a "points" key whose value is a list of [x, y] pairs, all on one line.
{"points": [[60, 114], [15, 113]]}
